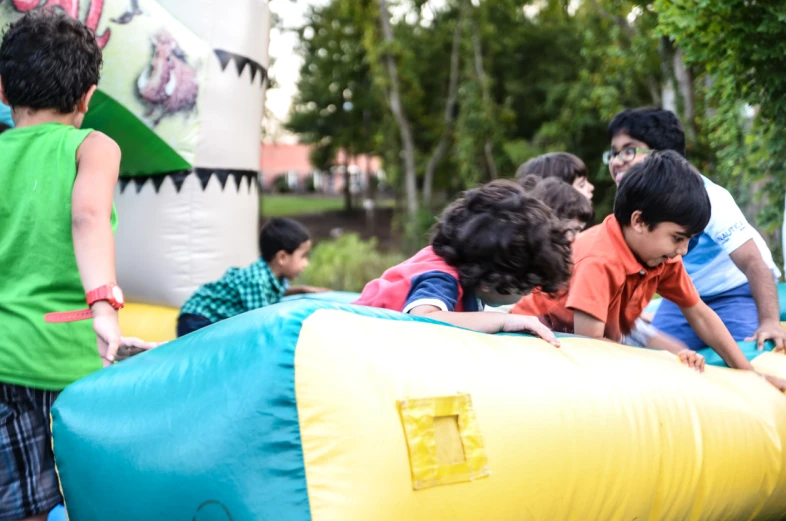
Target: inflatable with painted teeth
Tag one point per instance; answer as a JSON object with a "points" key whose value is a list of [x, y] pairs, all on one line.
{"points": [[182, 92]]}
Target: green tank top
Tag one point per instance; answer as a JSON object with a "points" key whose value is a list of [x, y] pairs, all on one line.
{"points": [[38, 271]]}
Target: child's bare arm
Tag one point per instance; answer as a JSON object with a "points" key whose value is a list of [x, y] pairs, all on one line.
{"points": [[664, 342], [587, 325], [98, 165], [488, 322], [710, 328]]}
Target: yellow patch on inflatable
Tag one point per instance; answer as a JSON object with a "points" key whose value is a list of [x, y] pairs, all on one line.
{"points": [[444, 441], [592, 430]]}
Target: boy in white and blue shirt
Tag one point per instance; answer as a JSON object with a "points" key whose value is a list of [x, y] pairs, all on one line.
{"points": [[729, 263]]}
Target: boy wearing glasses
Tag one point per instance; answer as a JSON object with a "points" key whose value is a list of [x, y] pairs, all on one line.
{"points": [[729, 263]]}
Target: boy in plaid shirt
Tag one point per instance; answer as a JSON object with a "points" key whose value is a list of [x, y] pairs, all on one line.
{"points": [[285, 245]]}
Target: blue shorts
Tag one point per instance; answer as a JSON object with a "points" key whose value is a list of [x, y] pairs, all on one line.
{"points": [[189, 322], [736, 308]]}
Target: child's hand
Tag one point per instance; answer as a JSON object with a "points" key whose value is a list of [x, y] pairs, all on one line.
{"points": [[107, 329], [692, 359], [130, 346], [518, 323]]}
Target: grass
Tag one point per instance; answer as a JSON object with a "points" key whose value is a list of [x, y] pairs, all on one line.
{"points": [[275, 205], [282, 205]]}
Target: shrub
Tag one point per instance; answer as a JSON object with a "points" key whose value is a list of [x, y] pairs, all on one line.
{"points": [[347, 263]]}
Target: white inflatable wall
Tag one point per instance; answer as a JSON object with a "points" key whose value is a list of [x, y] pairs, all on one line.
{"points": [[182, 229]]}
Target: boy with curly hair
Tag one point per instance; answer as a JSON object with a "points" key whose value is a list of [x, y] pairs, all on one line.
{"points": [[490, 247], [56, 250]]}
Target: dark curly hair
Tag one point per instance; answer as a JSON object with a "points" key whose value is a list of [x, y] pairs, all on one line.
{"points": [[500, 236], [48, 60], [565, 201], [659, 129], [561, 165]]}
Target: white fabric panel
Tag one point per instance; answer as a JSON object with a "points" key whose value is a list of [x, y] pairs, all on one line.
{"points": [[169, 243]]}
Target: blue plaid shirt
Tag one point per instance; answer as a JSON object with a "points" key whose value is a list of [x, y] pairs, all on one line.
{"points": [[238, 291]]}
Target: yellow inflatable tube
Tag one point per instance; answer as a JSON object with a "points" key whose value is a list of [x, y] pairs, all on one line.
{"points": [[414, 421]]}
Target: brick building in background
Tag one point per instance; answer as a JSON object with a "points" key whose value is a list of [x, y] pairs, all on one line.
{"points": [[287, 167]]}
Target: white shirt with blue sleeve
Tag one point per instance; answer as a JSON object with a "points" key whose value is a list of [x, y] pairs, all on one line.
{"points": [[708, 262]]}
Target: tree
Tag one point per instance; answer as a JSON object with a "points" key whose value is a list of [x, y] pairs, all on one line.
{"points": [[747, 73], [336, 103]]}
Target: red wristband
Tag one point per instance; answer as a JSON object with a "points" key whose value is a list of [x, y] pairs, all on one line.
{"points": [[68, 316]]}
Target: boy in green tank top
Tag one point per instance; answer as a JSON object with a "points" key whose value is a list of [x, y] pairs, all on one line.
{"points": [[57, 244]]}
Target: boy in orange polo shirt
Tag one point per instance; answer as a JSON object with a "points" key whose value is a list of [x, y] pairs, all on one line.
{"points": [[621, 264]]}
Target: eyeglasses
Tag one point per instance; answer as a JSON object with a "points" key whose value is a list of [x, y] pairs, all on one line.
{"points": [[626, 155]]}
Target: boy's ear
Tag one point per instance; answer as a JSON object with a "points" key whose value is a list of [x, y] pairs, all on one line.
{"points": [[2, 93], [637, 223], [281, 257], [84, 103]]}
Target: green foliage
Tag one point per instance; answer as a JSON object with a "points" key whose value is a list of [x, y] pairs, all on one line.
{"points": [[336, 106], [347, 263], [281, 185], [748, 67]]}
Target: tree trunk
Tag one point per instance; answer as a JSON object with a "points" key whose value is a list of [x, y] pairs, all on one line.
{"points": [[488, 148], [450, 111], [347, 183], [396, 107], [668, 94], [684, 77]]}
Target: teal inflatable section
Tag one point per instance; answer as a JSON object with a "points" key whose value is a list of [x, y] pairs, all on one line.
{"points": [[749, 349], [5, 115], [202, 428], [782, 300]]}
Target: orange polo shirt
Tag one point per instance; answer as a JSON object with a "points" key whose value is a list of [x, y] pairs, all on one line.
{"points": [[609, 284]]}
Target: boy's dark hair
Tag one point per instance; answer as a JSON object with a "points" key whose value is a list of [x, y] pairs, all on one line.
{"points": [[48, 60], [561, 165], [666, 188], [565, 201], [659, 129], [500, 236], [281, 234]]}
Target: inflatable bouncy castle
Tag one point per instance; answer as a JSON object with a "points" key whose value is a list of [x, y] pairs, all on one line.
{"points": [[312, 410], [182, 93]]}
